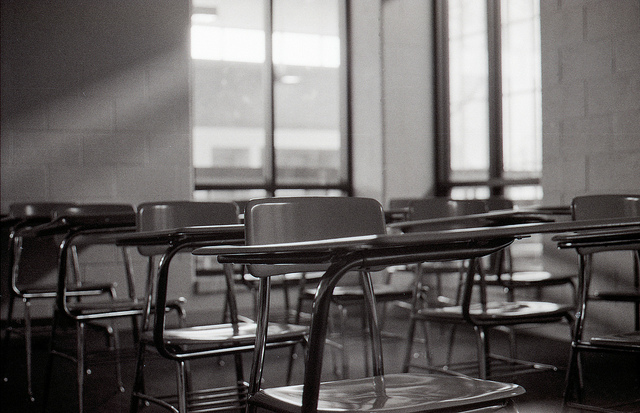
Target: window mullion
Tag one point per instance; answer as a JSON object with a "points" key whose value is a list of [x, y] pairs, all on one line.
{"points": [[495, 93], [442, 109], [269, 169], [346, 125]]}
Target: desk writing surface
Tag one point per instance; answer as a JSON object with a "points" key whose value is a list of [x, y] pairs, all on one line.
{"points": [[499, 217], [627, 232], [549, 209], [612, 237], [525, 229], [64, 224], [9, 221], [423, 238], [202, 232]]}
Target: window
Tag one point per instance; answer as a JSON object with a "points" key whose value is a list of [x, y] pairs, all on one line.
{"points": [[488, 77], [256, 137]]}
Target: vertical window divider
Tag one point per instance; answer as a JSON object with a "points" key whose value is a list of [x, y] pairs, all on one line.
{"points": [[494, 42], [442, 111], [447, 13], [346, 125], [321, 158], [269, 169]]}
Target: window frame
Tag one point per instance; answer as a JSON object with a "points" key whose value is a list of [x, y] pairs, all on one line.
{"points": [[496, 182], [269, 181]]}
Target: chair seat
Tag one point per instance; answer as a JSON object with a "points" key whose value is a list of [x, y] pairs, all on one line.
{"points": [[285, 279], [529, 278], [630, 340], [624, 296], [224, 334], [442, 267], [117, 307], [49, 291], [383, 292], [90, 307], [500, 313], [401, 393]]}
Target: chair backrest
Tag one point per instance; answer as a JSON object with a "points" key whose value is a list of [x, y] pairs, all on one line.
{"points": [[294, 219], [498, 203], [605, 206], [29, 210], [153, 216], [103, 217], [441, 207], [42, 252], [501, 262], [241, 203], [399, 203], [90, 210]]}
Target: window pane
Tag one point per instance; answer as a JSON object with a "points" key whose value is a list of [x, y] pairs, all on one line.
{"points": [[309, 192], [228, 52], [468, 94], [227, 44], [232, 195], [521, 106], [470, 192], [307, 92], [524, 195]]}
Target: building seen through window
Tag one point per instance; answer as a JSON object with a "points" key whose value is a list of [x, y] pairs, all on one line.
{"points": [[232, 107], [495, 133], [253, 137]]}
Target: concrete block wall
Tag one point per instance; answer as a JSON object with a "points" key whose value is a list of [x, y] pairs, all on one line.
{"points": [[95, 108], [591, 119], [407, 98], [366, 101], [590, 97], [95, 102], [392, 131]]}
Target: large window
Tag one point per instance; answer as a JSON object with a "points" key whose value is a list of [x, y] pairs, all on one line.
{"points": [[269, 98], [489, 88]]}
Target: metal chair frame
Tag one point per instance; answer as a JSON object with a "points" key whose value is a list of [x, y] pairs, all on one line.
{"points": [[183, 344], [25, 217], [484, 316], [595, 207], [502, 272], [90, 224], [289, 224]]}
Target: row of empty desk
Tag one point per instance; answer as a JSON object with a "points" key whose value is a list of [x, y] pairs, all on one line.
{"points": [[333, 235]]}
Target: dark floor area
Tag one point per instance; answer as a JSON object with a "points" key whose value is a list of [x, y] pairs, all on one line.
{"points": [[608, 378]]}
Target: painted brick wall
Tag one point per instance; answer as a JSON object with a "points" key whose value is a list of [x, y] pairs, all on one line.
{"points": [[95, 101], [95, 108], [590, 97], [591, 120]]}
